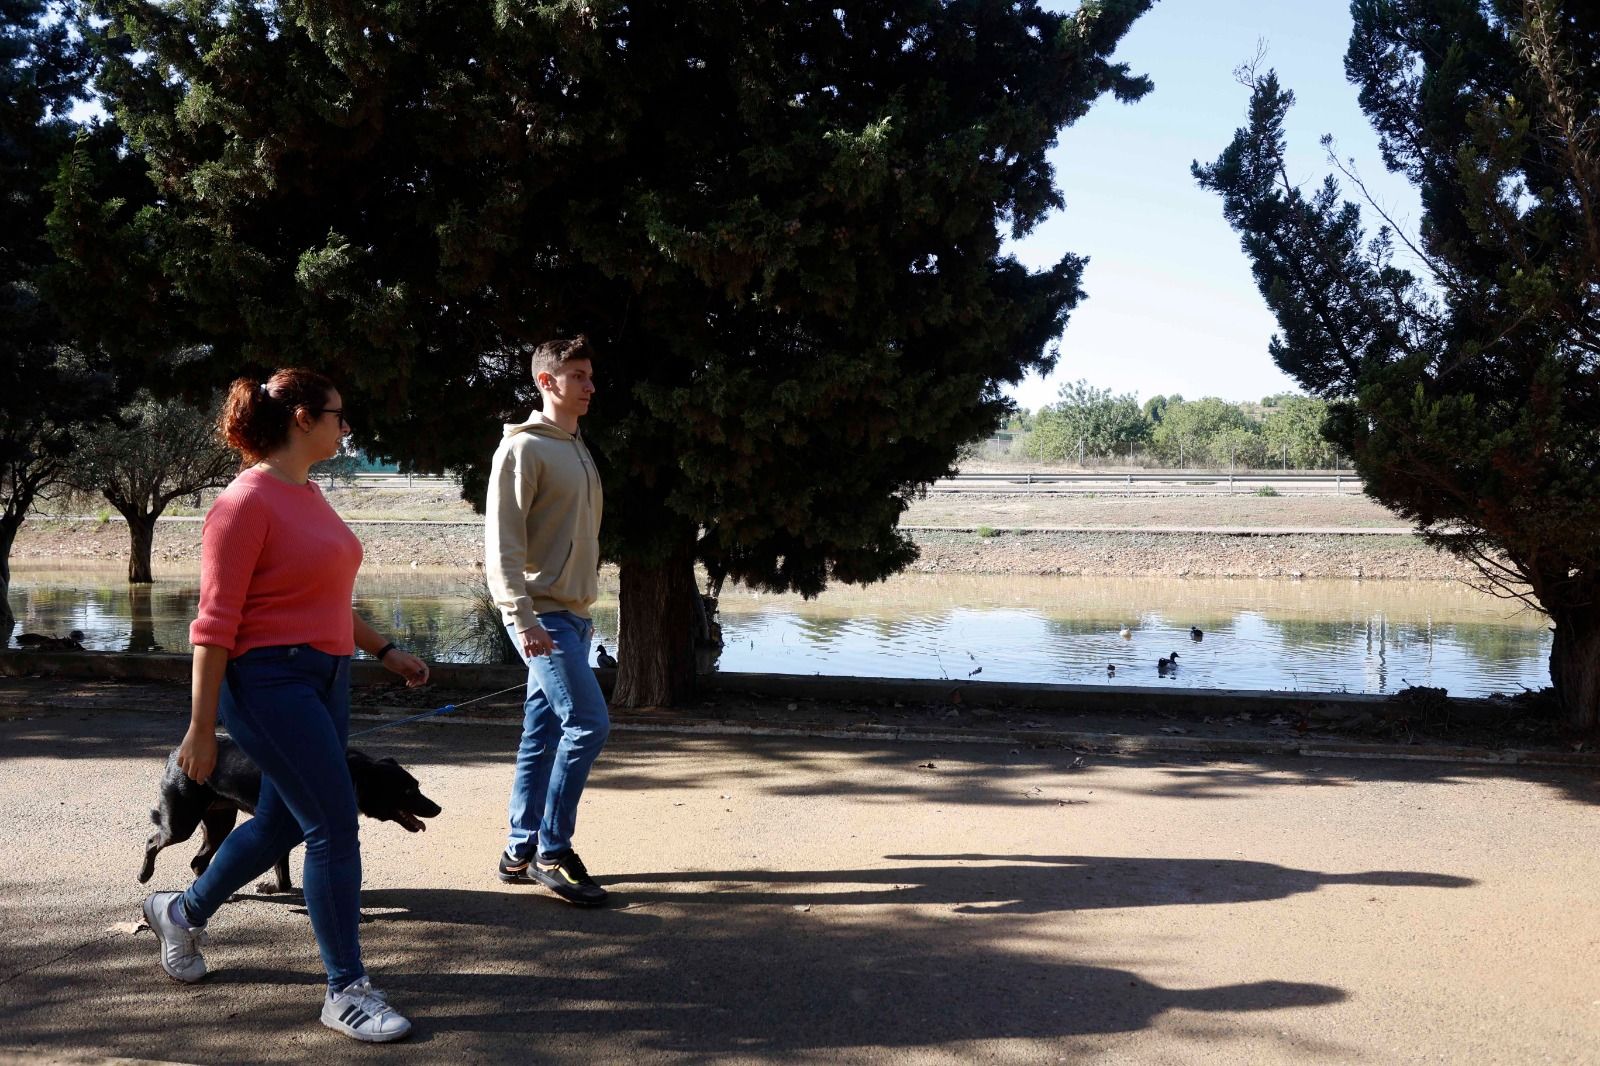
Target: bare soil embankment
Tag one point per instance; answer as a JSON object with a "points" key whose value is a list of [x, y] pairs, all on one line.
{"points": [[61, 543], [946, 525], [1035, 508], [1186, 555]]}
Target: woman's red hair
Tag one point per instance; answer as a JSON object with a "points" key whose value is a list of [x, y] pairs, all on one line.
{"points": [[256, 416]]}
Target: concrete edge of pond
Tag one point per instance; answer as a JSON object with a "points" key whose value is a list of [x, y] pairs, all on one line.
{"points": [[1135, 733], [1086, 741]]}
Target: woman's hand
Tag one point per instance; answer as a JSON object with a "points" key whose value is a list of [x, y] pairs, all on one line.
{"points": [[408, 666], [197, 755]]}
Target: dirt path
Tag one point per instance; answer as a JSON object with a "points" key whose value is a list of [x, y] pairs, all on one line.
{"points": [[802, 900]]}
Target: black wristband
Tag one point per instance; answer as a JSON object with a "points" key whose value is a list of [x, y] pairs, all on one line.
{"points": [[385, 650]]}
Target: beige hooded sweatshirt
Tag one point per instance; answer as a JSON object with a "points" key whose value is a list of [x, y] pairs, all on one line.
{"points": [[542, 523]]}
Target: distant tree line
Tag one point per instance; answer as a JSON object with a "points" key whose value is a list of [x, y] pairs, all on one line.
{"points": [[1093, 425]]}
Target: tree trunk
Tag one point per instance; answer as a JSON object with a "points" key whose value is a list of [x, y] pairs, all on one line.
{"points": [[142, 534], [656, 656], [8, 621], [1575, 667]]}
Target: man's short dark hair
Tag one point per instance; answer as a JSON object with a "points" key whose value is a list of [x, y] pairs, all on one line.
{"points": [[551, 356]]}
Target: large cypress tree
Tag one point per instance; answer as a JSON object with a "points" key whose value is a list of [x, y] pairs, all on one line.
{"points": [[781, 222], [1465, 370]]}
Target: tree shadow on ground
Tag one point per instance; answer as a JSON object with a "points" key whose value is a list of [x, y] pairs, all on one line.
{"points": [[961, 773], [510, 974], [994, 774]]}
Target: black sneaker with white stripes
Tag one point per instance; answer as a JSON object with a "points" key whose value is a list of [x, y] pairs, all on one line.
{"points": [[361, 1011]]}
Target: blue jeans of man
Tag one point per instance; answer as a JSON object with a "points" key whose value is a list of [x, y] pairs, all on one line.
{"points": [[288, 708], [564, 726]]}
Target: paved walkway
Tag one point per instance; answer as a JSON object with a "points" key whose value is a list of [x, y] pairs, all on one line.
{"points": [[800, 900]]}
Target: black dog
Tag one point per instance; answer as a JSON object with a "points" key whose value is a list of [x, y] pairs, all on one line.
{"points": [[383, 791]]}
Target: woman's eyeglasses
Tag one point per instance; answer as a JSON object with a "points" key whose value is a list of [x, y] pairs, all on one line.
{"points": [[335, 411]]}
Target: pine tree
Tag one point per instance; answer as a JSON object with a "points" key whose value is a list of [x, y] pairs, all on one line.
{"points": [[1467, 391]]}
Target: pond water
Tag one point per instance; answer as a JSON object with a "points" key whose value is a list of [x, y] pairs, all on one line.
{"points": [[1350, 636]]}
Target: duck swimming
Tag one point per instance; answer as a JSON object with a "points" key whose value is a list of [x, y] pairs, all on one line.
{"points": [[1166, 666], [1196, 633], [1126, 633]]}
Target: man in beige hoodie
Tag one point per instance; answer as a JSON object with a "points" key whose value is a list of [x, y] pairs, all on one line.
{"points": [[542, 551]]}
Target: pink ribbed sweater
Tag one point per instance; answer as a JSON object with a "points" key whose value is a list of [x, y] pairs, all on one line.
{"points": [[277, 566]]}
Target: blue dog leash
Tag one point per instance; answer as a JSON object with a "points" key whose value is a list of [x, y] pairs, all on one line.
{"points": [[449, 708]]}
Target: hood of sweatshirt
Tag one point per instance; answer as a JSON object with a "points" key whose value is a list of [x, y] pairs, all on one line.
{"points": [[539, 426]]}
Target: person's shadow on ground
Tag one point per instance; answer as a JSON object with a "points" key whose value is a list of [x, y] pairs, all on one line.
{"points": [[752, 963], [1020, 884], [761, 975]]}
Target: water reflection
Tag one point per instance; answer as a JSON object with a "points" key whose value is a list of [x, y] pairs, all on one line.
{"points": [[1259, 634], [422, 610]]}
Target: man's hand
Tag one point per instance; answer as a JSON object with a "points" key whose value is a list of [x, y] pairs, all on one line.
{"points": [[408, 666], [197, 755], [536, 641]]}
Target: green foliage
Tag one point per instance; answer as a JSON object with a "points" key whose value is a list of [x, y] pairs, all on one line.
{"points": [[153, 452], [342, 468], [480, 636], [1266, 490], [1198, 432], [1086, 421], [987, 531], [782, 224], [1170, 430], [1294, 426], [47, 392], [1466, 396]]}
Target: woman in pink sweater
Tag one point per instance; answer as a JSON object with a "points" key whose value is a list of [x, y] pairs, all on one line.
{"points": [[272, 647]]}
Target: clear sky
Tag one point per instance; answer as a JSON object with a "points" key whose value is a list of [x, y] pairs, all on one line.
{"points": [[1171, 306]]}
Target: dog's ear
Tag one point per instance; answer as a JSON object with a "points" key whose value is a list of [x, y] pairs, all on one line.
{"points": [[388, 761]]}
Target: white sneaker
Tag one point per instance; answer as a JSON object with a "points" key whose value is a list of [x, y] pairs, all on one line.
{"points": [[180, 945], [362, 1012]]}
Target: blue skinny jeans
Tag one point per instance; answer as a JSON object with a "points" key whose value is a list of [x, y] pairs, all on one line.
{"points": [[564, 726], [288, 708]]}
